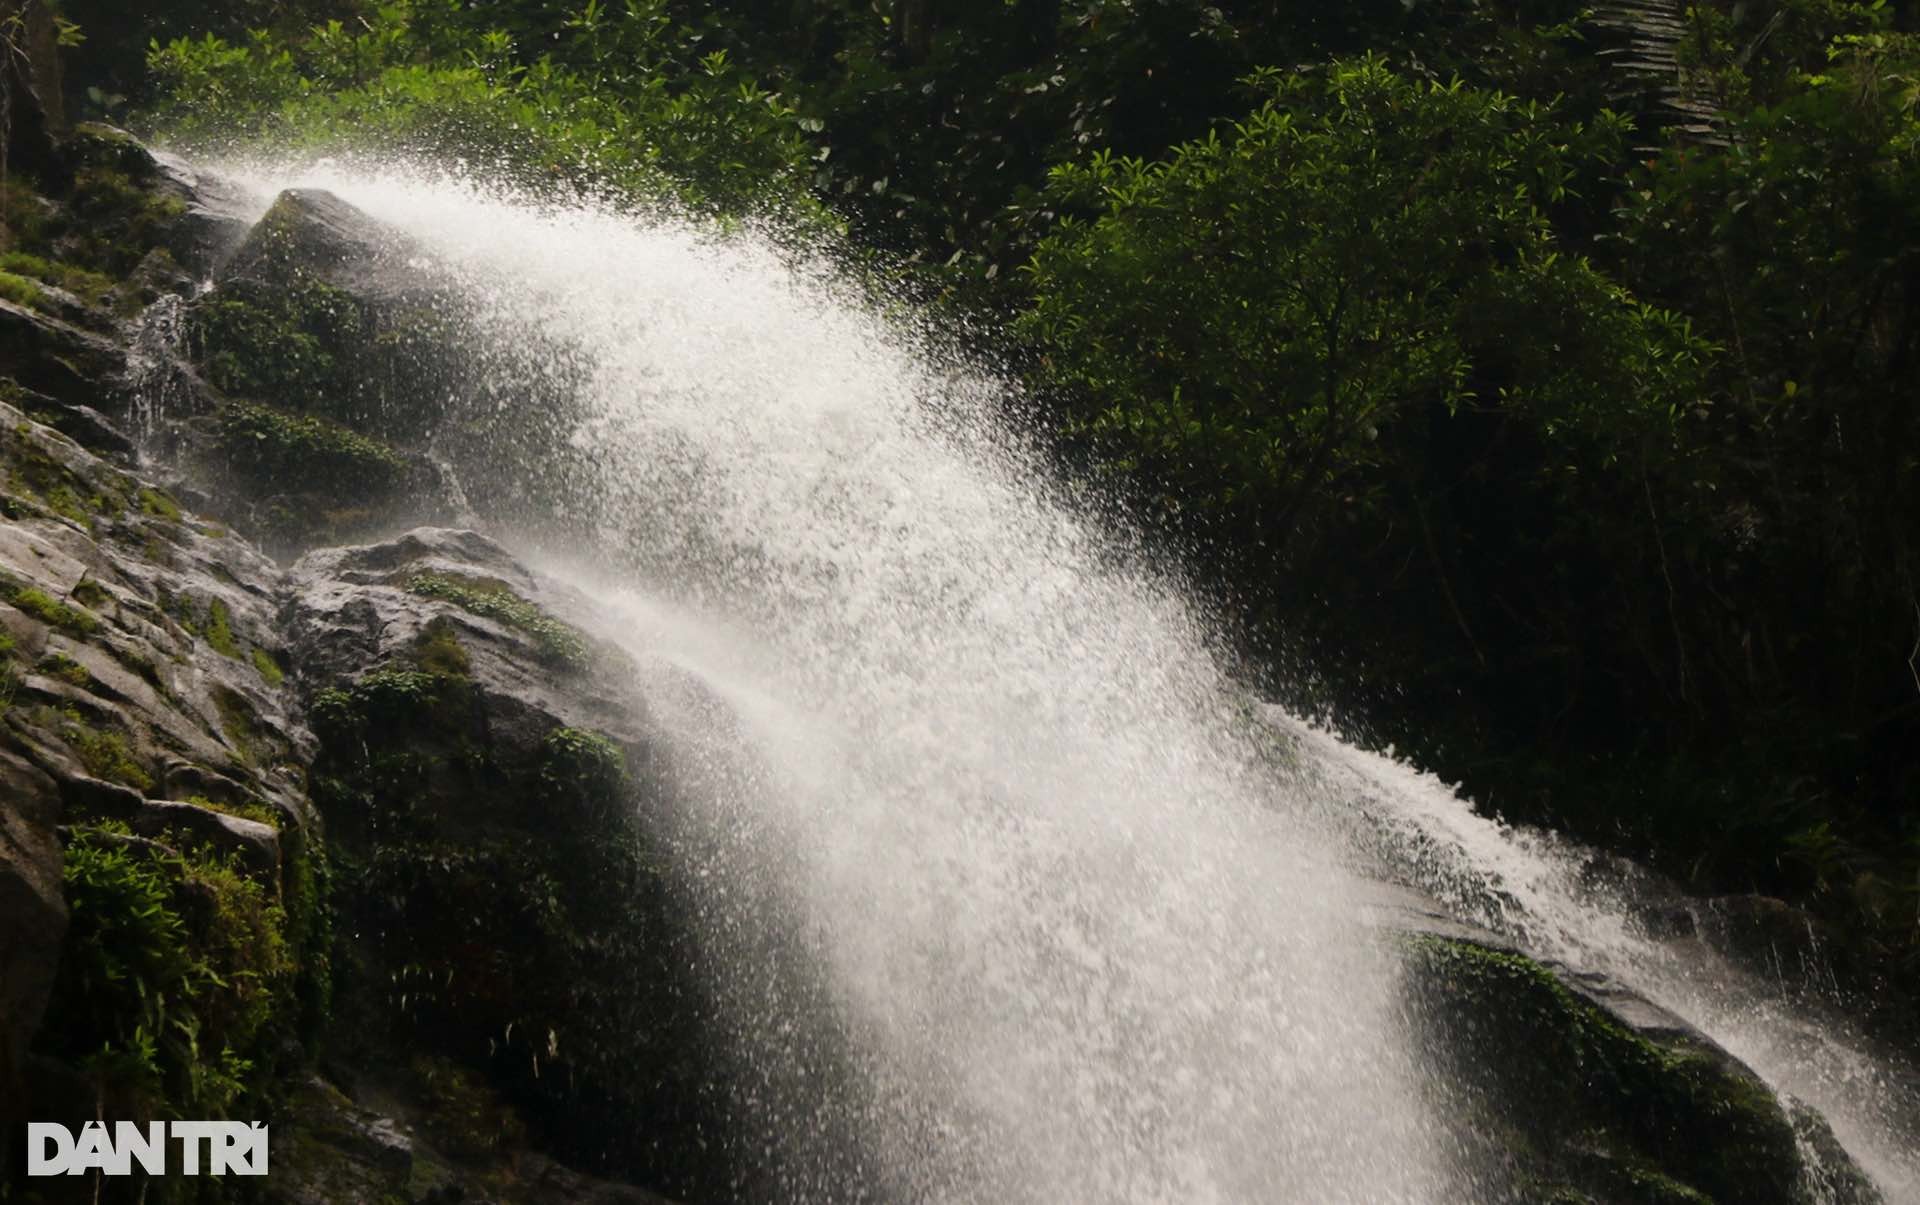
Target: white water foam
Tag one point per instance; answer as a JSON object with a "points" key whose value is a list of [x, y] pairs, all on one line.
{"points": [[982, 766], [1078, 940]]}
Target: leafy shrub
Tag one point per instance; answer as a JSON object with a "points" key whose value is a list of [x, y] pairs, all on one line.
{"points": [[172, 966], [616, 99]]}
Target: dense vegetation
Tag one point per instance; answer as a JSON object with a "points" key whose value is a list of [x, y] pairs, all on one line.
{"points": [[1565, 427]]}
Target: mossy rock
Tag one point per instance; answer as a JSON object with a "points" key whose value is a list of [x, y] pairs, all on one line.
{"points": [[323, 312], [513, 920], [1585, 1103]]}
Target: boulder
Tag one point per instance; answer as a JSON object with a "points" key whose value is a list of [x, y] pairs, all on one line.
{"points": [[33, 921], [71, 366], [485, 768], [1577, 1085]]}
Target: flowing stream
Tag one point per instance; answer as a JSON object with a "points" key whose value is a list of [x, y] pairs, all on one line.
{"points": [[1084, 927]]}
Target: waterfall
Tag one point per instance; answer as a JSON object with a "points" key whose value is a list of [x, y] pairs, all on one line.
{"points": [[1568, 904], [980, 761], [155, 371], [1006, 888]]}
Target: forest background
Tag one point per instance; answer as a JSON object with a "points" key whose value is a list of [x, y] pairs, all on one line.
{"points": [[1534, 383]]}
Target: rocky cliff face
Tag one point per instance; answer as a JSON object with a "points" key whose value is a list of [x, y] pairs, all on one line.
{"points": [[358, 840]]}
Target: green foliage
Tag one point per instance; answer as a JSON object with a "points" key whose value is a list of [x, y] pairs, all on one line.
{"points": [[439, 651], [268, 669], [91, 287], [281, 343], [1796, 558], [19, 290], [169, 977], [219, 630], [558, 644], [614, 96], [43, 607], [583, 767], [1245, 322], [104, 753], [290, 452]]}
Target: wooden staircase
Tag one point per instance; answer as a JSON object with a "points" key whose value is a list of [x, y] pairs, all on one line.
{"points": [[1648, 80]]}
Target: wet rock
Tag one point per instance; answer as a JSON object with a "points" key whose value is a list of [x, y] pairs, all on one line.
{"points": [[214, 218], [69, 365], [332, 1150], [33, 918], [494, 795], [1577, 1084], [379, 330]]}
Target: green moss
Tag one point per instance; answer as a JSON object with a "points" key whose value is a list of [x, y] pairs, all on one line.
{"points": [[279, 342], [42, 606], [558, 644], [269, 669], [239, 724], [38, 478], [91, 593], [111, 222], [90, 287], [294, 453], [1562, 1065], [66, 669], [439, 651], [20, 290], [105, 754], [158, 504], [465, 1117], [253, 810], [581, 765], [219, 631]]}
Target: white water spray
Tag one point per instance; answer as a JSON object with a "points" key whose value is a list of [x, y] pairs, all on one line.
{"points": [[987, 773], [1077, 939], [1556, 899]]}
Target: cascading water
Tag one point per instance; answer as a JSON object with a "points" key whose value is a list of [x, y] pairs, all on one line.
{"points": [[985, 771], [1543, 892], [154, 368], [1065, 930]]}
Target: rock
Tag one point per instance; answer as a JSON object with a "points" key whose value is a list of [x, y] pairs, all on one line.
{"points": [[355, 609], [312, 234], [214, 219], [492, 792], [391, 354], [1578, 1084], [255, 844], [332, 1150], [381, 329], [33, 921], [72, 366]]}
